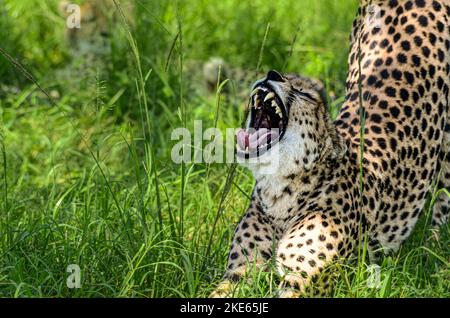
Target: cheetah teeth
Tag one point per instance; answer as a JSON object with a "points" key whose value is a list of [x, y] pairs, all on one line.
{"points": [[269, 96], [277, 109], [279, 112], [257, 102], [254, 91]]}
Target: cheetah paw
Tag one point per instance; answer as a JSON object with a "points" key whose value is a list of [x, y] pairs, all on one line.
{"points": [[224, 290], [289, 293]]}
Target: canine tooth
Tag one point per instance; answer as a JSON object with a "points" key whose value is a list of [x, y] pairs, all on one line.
{"points": [[269, 96], [257, 102], [279, 112], [254, 91]]}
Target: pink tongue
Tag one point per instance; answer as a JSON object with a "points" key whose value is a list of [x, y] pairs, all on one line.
{"points": [[242, 139], [255, 139]]}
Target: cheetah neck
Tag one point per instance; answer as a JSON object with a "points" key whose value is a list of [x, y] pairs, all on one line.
{"points": [[298, 175], [279, 195]]}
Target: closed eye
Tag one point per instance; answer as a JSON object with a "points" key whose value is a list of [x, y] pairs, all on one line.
{"points": [[304, 95]]}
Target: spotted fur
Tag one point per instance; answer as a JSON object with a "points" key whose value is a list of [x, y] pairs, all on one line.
{"points": [[316, 208]]}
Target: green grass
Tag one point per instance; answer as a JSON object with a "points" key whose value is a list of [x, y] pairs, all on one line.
{"points": [[89, 180]]}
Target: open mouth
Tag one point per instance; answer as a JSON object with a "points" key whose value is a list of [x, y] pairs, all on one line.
{"points": [[266, 123]]}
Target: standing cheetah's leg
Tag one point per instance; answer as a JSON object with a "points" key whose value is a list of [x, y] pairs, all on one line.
{"points": [[305, 251], [441, 209], [253, 244]]}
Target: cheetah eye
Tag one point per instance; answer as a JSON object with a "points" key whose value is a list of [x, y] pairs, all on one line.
{"points": [[304, 95]]}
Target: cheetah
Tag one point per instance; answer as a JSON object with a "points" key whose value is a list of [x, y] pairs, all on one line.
{"points": [[368, 172], [91, 47], [92, 39]]}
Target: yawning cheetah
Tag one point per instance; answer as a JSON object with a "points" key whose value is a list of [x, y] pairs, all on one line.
{"points": [[324, 195]]}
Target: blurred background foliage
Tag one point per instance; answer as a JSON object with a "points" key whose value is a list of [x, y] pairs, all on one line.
{"points": [[210, 28]]}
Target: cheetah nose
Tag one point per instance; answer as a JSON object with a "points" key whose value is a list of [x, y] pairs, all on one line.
{"points": [[274, 76]]}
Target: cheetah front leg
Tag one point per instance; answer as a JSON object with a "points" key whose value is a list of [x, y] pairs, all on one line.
{"points": [[305, 252], [253, 244]]}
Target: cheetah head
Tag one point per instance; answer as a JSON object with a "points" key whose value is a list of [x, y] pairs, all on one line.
{"points": [[288, 118]]}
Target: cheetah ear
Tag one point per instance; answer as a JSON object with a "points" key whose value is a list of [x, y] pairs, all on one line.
{"points": [[320, 88], [338, 145]]}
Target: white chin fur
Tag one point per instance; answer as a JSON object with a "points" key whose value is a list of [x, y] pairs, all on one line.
{"points": [[266, 164], [281, 158]]}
